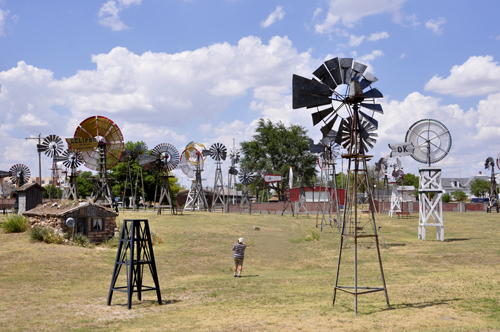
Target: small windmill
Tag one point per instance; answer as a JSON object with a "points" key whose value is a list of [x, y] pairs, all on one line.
{"points": [[192, 163], [128, 189], [234, 155], [490, 163], [392, 169], [72, 160], [19, 175], [218, 152], [53, 146], [167, 159], [246, 177], [141, 153]]}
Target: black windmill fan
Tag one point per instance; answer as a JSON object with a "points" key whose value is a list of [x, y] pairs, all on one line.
{"points": [[139, 150], [246, 176], [167, 156], [52, 145], [341, 88], [218, 152], [20, 172], [234, 155], [489, 163], [72, 159]]}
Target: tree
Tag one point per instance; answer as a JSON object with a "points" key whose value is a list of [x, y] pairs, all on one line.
{"points": [[54, 191], [273, 149], [459, 195], [446, 198], [85, 184], [479, 187]]}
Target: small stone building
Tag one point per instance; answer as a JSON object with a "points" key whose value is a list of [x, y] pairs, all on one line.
{"points": [[30, 195], [94, 221]]}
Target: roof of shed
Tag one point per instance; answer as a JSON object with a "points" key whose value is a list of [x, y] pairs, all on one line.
{"points": [[62, 208]]}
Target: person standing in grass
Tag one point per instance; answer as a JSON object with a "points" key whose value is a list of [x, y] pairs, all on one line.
{"points": [[239, 255]]}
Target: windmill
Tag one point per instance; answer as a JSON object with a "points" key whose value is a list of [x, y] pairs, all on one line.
{"points": [[246, 177], [327, 151], [393, 171], [431, 141], [141, 153], [192, 163], [128, 186], [72, 160], [218, 152], [234, 155], [19, 175], [101, 143], [167, 159], [53, 146], [490, 163], [343, 97]]}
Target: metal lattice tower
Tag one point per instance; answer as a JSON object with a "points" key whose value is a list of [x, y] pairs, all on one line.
{"points": [[341, 89], [102, 188], [246, 177], [135, 252], [234, 155], [302, 199], [218, 153], [192, 161], [72, 160], [167, 159]]}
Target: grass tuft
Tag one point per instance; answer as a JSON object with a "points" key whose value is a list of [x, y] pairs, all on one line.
{"points": [[16, 223]]}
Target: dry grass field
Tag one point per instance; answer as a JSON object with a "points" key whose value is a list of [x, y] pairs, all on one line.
{"points": [[287, 282]]}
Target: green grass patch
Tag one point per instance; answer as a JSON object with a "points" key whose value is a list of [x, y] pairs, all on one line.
{"points": [[15, 223]]}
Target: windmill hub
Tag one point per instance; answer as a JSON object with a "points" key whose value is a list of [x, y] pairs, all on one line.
{"points": [[356, 95]]}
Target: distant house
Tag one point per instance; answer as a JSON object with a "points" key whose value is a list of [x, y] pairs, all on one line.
{"points": [[451, 185], [94, 221]]}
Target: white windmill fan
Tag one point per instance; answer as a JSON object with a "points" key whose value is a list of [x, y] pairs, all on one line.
{"points": [[392, 168]]}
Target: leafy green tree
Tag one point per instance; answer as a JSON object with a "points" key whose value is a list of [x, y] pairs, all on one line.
{"points": [[446, 198], [459, 195], [52, 191], [273, 149], [85, 184], [479, 187]]}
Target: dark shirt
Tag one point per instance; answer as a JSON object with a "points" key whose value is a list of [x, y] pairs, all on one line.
{"points": [[239, 250]]}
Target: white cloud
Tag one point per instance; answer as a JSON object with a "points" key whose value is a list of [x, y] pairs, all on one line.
{"points": [[355, 40], [159, 97], [479, 75], [378, 35], [109, 13], [350, 12], [277, 15], [436, 25], [402, 56]]}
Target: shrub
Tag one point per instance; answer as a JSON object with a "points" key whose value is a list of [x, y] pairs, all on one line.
{"points": [[82, 240], [446, 198], [113, 242], [156, 239], [38, 233], [15, 223], [313, 237], [459, 195]]}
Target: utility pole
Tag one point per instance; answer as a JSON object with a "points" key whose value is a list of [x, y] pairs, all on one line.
{"points": [[39, 149]]}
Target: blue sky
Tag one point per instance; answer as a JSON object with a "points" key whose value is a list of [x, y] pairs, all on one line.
{"points": [[175, 71]]}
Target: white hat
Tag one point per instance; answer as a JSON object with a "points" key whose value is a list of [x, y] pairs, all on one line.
{"points": [[240, 240]]}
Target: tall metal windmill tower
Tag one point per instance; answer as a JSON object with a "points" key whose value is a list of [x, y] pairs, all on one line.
{"points": [[341, 90], [140, 152], [246, 177], [101, 143], [490, 163], [19, 175], [234, 155], [327, 151], [53, 146], [192, 162], [167, 159], [72, 160], [432, 142], [218, 152], [393, 171], [128, 189]]}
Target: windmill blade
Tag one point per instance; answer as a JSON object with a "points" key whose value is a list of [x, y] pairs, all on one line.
{"points": [[329, 138], [5, 174], [369, 119], [367, 80], [315, 148], [334, 68], [357, 71], [309, 93], [328, 127], [41, 148], [338, 138], [320, 115], [346, 69], [73, 158], [57, 159], [324, 76], [373, 93], [374, 107], [146, 159]]}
